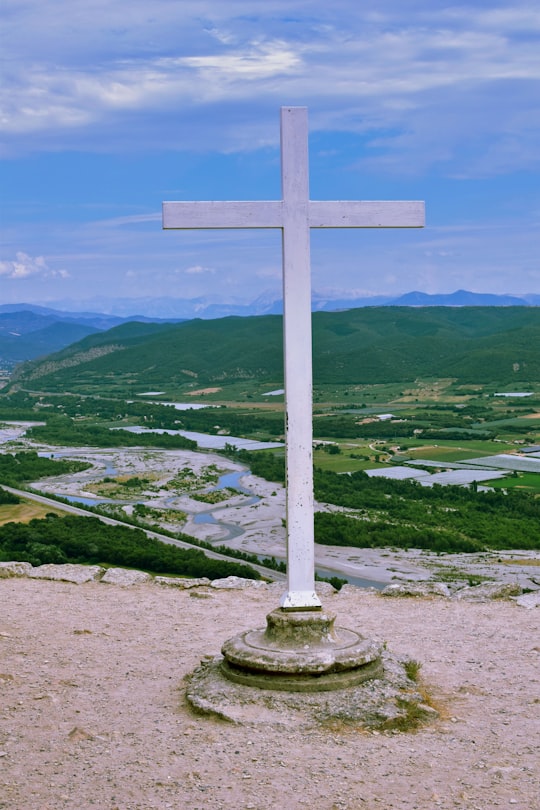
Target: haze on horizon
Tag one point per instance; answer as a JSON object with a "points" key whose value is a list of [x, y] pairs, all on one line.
{"points": [[109, 110]]}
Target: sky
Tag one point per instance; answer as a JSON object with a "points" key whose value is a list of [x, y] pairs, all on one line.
{"points": [[110, 107]]}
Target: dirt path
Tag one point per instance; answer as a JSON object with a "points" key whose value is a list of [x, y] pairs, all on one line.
{"points": [[92, 714]]}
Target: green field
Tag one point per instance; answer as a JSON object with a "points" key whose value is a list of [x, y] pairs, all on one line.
{"points": [[455, 451], [344, 461], [526, 481]]}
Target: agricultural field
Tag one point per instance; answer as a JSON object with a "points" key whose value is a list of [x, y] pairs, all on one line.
{"points": [[355, 427]]}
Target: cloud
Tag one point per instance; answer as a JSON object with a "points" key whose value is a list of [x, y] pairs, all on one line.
{"points": [[25, 266], [132, 219], [197, 270], [260, 61], [417, 80]]}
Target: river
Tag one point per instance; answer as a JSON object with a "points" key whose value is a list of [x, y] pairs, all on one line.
{"points": [[209, 441], [232, 480]]}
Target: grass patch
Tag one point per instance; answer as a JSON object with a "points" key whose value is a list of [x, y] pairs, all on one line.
{"points": [[412, 718], [415, 709], [25, 511], [529, 481], [453, 574], [216, 495], [413, 715], [412, 669], [123, 486], [341, 462], [454, 451]]}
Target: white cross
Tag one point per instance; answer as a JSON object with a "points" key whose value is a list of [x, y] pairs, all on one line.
{"points": [[295, 215]]}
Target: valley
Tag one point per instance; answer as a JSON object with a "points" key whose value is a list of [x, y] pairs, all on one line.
{"points": [[416, 475]]}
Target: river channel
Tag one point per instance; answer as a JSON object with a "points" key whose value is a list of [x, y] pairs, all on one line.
{"points": [[232, 480]]}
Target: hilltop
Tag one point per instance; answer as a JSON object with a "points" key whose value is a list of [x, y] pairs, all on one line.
{"points": [[94, 715]]}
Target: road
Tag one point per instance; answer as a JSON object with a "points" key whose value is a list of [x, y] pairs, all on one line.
{"points": [[267, 573]]}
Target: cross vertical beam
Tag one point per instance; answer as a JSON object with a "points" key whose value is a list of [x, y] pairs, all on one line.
{"points": [[295, 214], [297, 361]]}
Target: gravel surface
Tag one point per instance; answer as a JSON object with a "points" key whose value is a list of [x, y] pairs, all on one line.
{"points": [[93, 714]]}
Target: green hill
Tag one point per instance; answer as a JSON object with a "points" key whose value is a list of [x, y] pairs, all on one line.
{"points": [[496, 345]]}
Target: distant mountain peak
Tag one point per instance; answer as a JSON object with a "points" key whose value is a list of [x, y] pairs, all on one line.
{"points": [[459, 298]]}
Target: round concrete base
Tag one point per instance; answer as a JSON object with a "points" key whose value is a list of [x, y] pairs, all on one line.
{"points": [[301, 651]]}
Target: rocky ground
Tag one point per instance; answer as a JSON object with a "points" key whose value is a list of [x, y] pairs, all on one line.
{"points": [[93, 711]]}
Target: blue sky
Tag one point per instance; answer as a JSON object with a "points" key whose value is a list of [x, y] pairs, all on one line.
{"points": [[110, 107]]}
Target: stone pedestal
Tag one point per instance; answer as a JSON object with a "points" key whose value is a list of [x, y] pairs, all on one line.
{"points": [[301, 651]]}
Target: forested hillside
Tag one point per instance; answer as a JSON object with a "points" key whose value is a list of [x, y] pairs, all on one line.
{"points": [[368, 345]]}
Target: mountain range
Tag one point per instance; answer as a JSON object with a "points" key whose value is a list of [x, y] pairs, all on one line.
{"points": [[28, 331], [268, 303]]}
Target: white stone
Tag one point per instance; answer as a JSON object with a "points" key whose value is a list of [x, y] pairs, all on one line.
{"points": [[349, 590], [125, 577], [325, 589], [68, 572], [237, 583], [528, 600], [178, 582], [416, 589], [14, 569], [489, 590]]}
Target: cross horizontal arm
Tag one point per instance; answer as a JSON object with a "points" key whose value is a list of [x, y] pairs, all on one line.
{"points": [[271, 214], [221, 214], [366, 214]]}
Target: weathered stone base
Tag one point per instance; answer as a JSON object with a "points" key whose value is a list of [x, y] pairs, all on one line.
{"points": [[300, 683], [391, 702], [301, 651]]}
